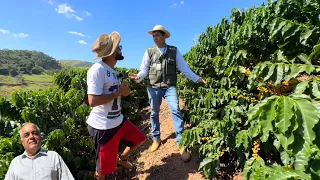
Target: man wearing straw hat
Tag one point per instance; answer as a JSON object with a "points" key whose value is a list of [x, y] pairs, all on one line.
{"points": [[160, 62], [106, 124]]}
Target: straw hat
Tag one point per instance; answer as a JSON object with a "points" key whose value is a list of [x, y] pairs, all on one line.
{"points": [[106, 44], [160, 28]]}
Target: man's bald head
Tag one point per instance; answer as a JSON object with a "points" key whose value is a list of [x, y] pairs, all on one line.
{"points": [[30, 138], [28, 124]]}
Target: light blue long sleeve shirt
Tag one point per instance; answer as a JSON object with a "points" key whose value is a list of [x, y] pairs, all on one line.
{"points": [[46, 165]]}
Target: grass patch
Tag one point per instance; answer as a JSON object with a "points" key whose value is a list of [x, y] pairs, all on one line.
{"points": [[7, 80], [9, 84], [42, 78]]}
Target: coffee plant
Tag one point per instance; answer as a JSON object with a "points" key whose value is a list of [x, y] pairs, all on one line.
{"points": [[260, 106], [60, 112]]}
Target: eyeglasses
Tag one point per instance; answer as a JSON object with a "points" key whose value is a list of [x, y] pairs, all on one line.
{"points": [[120, 47]]}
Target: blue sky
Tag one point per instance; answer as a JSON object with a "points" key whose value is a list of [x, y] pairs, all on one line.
{"points": [[66, 29]]}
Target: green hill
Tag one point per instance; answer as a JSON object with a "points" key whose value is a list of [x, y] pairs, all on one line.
{"points": [[30, 70], [75, 63], [14, 62]]}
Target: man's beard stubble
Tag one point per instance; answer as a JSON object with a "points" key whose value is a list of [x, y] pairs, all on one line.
{"points": [[119, 57]]}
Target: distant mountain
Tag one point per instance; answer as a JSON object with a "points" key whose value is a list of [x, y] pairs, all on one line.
{"points": [[75, 63], [14, 62]]}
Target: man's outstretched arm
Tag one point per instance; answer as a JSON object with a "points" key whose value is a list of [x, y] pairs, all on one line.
{"points": [[185, 69], [144, 69]]}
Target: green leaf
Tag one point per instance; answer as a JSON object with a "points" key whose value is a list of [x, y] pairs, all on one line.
{"points": [[242, 139], [276, 143], [305, 36], [280, 69], [304, 58], [297, 69], [286, 27], [280, 56], [274, 24], [310, 118], [301, 87], [55, 139], [255, 131], [205, 162], [248, 167], [285, 106], [270, 72], [242, 69], [285, 140], [291, 32], [260, 174], [269, 115], [285, 158], [316, 51], [277, 30], [283, 173], [266, 128], [257, 109], [315, 89], [302, 158]]}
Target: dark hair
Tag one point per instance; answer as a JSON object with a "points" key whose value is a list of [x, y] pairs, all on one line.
{"points": [[163, 33]]}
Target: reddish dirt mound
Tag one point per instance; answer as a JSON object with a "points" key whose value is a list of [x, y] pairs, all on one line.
{"points": [[14, 87]]}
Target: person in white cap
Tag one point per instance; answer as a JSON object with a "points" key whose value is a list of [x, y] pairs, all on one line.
{"points": [[160, 62], [106, 124]]}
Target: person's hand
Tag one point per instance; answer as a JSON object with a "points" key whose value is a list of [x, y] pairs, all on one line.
{"points": [[202, 81], [133, 76], [124, 88]]}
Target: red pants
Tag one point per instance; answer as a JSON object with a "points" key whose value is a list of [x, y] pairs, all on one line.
{"points": [[107, 143]]}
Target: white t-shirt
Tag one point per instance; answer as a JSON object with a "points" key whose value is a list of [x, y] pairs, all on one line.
{"points": [[102, 79]]}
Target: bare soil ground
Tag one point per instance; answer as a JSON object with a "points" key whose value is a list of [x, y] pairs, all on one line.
{"points": [[165, 163]]}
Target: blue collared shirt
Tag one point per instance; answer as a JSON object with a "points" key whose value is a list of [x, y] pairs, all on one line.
{"points": [[46, 165]]}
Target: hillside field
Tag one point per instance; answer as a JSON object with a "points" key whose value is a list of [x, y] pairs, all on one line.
{"points": [[36, 82], [75, 63], [31, 82]]}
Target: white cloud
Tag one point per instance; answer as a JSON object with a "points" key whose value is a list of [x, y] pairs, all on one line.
{"points": [[51, 2], [77, 17], [64, 9], [82, 42], [20, 35], [86, 13], [67, 11], [175, 4], [4, 31], [76, 33]]}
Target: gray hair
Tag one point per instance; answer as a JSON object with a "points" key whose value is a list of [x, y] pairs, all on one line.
{"points": [[38, 129]]}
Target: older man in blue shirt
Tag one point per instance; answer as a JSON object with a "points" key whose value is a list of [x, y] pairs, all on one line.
{"points": [[36, 163]]}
